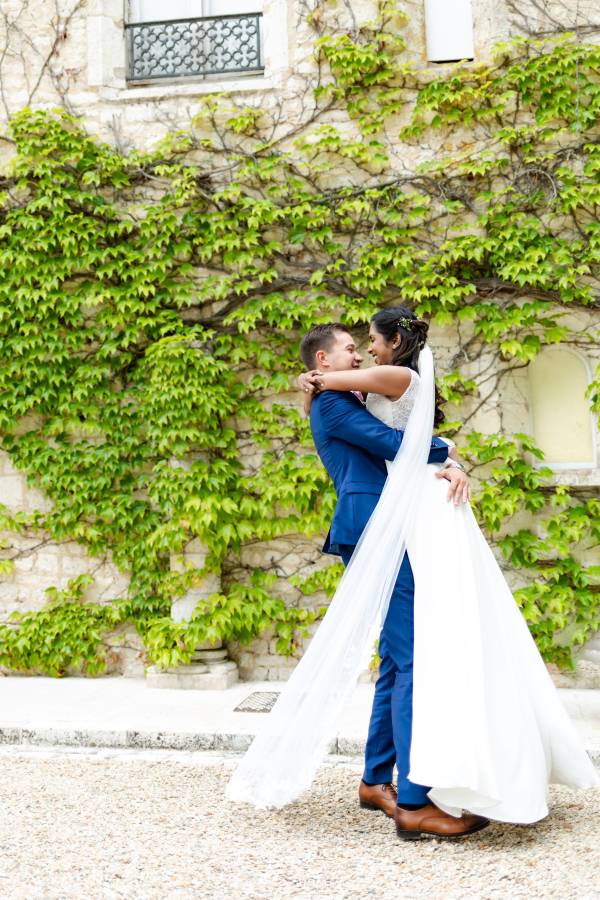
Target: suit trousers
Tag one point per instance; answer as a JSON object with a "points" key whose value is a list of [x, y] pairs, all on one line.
{"points": [[390, 727]]}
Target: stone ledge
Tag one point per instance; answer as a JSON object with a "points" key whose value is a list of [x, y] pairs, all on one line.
{"points": [[585, 677], [171, 740], [159, 740]]}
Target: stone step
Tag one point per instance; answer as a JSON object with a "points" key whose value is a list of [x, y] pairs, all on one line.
{"points": [[350, 746], [586, 676]]}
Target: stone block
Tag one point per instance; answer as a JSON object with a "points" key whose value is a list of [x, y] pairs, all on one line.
{"points": [[104, 590], [126, 654], [34, 500], [47, 564], [266, 660], [232, 742], [10, 735], [9, 593], [23, 564], [286, 662], [247, 660], [11, 491], [107, 586], [280, 674], [593, 644], [254, 673], [71, 567], [585, 677], [218, 678], [170, 740], [183, 607], [126, 662]]}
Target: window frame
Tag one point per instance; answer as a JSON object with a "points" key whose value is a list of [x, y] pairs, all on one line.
{"points": [[571, 466], [106, 59]]}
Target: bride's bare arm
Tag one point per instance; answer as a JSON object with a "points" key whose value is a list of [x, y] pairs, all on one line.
{"points": [[307, 403], [391, 381]]}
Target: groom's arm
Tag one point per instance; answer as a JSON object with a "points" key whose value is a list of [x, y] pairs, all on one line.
{"points": [[345, 419]]}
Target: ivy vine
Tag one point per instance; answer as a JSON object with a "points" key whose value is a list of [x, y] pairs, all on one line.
{"points": [[151, 305]]}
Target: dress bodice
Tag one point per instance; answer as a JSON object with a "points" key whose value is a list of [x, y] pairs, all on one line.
{"points": [[395, 413]]}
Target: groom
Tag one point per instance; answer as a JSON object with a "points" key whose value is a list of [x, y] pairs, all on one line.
{"points": [[353, 446]]}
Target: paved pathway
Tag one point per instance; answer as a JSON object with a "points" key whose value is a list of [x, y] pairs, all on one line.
{"points": [[125, 712]]}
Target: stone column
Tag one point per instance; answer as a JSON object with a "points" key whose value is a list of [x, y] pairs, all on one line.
{"points": [[210, 669]]}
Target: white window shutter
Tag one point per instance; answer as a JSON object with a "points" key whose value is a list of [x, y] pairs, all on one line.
{"points": [[449, 30]]}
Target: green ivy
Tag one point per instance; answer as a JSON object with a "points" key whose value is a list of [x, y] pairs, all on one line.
{"points": [[151, 306], [65, 634]]}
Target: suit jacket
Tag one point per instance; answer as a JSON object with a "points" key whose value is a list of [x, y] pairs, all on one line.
{"points": [[353, 446]]}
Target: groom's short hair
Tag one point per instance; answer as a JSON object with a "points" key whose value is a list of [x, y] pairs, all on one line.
{"points": [[321, 337]]}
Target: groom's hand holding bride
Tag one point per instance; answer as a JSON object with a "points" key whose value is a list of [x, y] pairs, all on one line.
{"points": [[460, 488]]}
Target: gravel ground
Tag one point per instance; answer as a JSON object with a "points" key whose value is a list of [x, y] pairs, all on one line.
{"points": [[155, 825]]}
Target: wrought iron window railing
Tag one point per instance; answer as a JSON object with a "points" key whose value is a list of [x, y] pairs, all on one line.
{"points": [[212, 45]]}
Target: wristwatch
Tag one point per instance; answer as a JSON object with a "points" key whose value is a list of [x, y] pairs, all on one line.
{"points": [[452, 464]]}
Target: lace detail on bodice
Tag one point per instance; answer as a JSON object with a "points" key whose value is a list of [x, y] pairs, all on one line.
{"points": [[395, 413]]}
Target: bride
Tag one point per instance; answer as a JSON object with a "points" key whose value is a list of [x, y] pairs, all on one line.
{"points": [[489, 732]]}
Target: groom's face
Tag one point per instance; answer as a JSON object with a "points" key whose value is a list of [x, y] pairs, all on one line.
{"points": [[342, 356]]}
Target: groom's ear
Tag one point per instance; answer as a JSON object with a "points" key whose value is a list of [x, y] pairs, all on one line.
{"points": [[320, 358]]}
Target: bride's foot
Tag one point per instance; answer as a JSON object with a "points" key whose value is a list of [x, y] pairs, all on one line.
{"points": [[378, 796], [412, 824]]}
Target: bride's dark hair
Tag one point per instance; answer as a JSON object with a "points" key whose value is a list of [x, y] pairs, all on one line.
{"points": [[398, 320]]}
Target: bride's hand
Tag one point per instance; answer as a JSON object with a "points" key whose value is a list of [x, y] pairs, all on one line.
{"points": [[309, 382], [460, 489]]}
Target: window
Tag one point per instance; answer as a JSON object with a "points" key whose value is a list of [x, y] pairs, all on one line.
{"points": [[197, 38], [560, 412], [449, 30]]}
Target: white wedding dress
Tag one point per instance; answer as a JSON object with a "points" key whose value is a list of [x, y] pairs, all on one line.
{"points": [[489, 730]]}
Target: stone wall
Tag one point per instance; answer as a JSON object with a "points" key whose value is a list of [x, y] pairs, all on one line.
{"points": [[72, 53], [78, 58], [40, 563]]}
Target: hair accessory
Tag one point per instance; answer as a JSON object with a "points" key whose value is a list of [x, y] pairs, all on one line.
{"points": [[404, 322]]}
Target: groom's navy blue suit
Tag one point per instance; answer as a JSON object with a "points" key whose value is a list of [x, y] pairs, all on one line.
{"points": [[353, 446]]}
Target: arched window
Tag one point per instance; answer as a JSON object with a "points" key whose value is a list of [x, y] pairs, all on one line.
{"points": [[560, 412], [449, 30]]}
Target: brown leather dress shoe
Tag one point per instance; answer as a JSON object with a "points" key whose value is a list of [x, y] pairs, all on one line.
{"points": [[412, 824], [378, 796]]}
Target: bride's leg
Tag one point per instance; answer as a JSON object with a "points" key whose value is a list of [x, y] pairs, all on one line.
{"points": [[398, 633]]}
